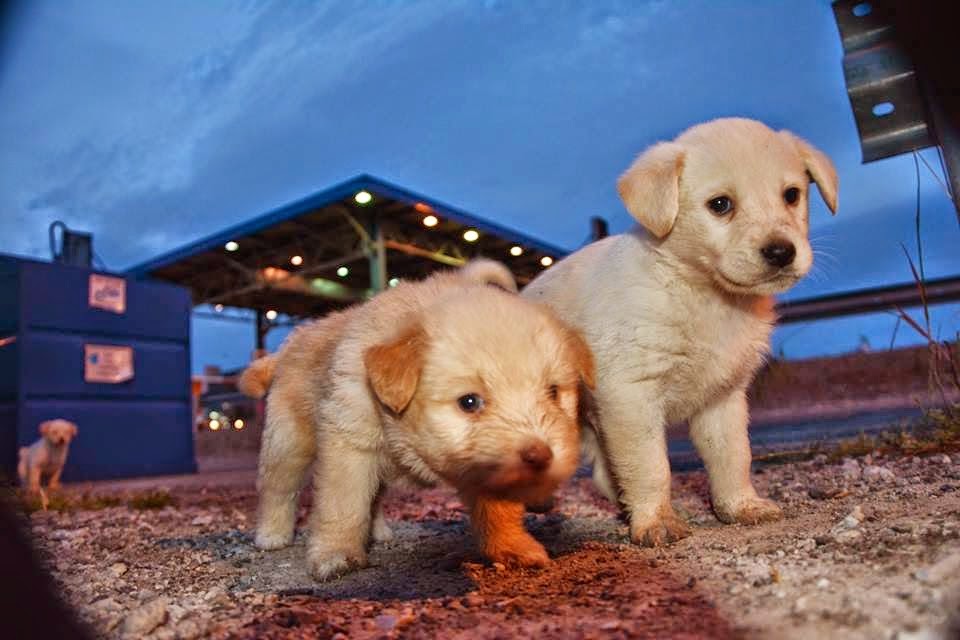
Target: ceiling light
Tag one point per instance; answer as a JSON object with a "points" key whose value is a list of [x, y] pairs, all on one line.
{"points": [[343, 272], [296, 261], [271, 315], [394, 282], [214, 415], [516, 250], [231, 246], [423, 207], [363, 197], [218, 308], [471, 235], [214, 425], [546, 261], [430, 221], [238, 424]]}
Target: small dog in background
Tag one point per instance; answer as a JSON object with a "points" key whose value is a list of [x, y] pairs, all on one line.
{"points": [[444, 380], [46, 456]]}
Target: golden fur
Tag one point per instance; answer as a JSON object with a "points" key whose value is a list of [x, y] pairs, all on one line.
{"points": [[372, 394], [678, 313], [46, 456]]}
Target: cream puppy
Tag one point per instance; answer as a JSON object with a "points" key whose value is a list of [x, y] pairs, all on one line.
{"points": [[442, 381], [46, 456], [679, 314]]}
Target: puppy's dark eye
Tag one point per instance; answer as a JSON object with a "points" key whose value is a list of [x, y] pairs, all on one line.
{"points": [[721, 205], [470, 403], [553, 391], [791, 195]]}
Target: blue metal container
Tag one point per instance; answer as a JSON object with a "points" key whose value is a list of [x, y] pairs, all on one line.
{"points": [[108, 353]]}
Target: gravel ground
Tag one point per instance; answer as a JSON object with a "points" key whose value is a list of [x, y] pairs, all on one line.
{"points": [[869, 548]]}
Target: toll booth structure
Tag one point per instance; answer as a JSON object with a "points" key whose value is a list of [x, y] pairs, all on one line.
{"points": [[108, 353]]}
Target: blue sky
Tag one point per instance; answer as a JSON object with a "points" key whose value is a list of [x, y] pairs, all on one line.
{"points": [[152, 124]]}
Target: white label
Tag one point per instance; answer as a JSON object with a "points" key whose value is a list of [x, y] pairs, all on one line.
{"points": [[108, 293], [109, 364]]}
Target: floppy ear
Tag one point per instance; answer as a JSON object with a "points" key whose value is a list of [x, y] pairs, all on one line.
{"points": [[45, 427], [650, 188], [73, 430], [393, 368], [582, 357], [819, 167]]}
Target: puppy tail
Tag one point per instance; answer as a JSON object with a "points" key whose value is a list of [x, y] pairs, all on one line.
{"points": [[485, 271], [255, 380]]}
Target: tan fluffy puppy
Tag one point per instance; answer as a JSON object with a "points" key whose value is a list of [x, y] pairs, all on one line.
{"points": [[46, 456], [679, 314], [445, 380]]}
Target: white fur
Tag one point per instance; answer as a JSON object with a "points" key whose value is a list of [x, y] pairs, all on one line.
{"points": [[679, 314]]}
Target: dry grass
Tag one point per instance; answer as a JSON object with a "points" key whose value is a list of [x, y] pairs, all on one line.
{"points": [[87, 501], [938, 431]]}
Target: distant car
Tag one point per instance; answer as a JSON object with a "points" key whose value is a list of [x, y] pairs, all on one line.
{"points": [[226, 411]]}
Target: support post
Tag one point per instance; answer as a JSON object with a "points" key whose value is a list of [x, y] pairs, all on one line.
{"points": [[598, 228], [377, 255], [262, 328]]}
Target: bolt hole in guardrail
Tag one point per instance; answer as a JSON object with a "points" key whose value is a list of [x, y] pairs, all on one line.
{"points": [[883, 109], [862, 9]]}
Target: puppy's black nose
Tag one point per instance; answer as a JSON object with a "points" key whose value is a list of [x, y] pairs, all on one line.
{"points": [[779, 253], [537, 455]]}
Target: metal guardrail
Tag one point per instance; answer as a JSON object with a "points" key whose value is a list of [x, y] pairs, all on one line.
{"points": [[869, 300]]}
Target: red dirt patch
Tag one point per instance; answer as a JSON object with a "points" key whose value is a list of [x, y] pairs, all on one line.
{"points": [[601, 591]]}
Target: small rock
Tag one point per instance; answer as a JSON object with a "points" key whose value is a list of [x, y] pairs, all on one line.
{"points": [[823, 583], [202, 521], [385, 622], [610, 626], [852, 521], [874, 473], [800, 605], [499, 566], [760, 547], [118, 569], [146, 618], [213, 593], [850, 469], [473, 600], [823, 492], [944, 459], [189, 629], [807, 544], [848, 537], [105, 604]]}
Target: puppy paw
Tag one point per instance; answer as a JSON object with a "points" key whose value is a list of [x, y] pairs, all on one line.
{"points": [[750, 511], [270, 540], [656, 532], [520, 553], [380, 531], [328, 565]]}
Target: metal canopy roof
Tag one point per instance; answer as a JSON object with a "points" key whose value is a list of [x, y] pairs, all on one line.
{"points": [[383, 239]]}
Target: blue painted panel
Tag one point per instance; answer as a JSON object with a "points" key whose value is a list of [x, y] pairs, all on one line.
{"points": [[118, 438], [53, 365], [8, 438], [57, 297], [9, 374]]}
